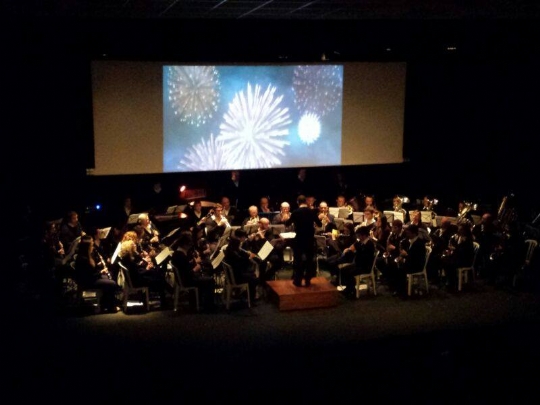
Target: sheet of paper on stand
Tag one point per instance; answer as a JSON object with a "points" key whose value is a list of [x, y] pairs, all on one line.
{"points": [[265, 250], [217, 260], [164, 254]]}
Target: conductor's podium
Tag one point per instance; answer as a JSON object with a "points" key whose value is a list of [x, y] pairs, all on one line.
{"points": [[320, 294]]}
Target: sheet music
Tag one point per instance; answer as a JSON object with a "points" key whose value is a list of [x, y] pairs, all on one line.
{"points": [[399, 215], [288, 235], [166, 252], [265, 250], [333, 211], [103, 233], [217, 260], [116, 252]]}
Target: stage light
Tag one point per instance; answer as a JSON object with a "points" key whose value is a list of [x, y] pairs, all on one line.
{"points": [[183, 188]]}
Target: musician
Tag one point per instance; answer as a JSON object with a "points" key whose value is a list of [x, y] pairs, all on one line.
{"points": [[368, 202], [253, 218], [341, 202], [397, 206], [488, 237], [229, 212], [387, 264], [310, 201], [150, 237], [464, 212], [440, 240], [412, 256], [242, 262], [195, 215], [327, 219], [190, 269], [143, 272], [369, 219], [460, 253], [70, 230], [92, 274], [254, 243], [264, 205], [283, 216], [423, 232], [53, 250], [336, 246], [364, 252], [380, 232], [216, 224]]}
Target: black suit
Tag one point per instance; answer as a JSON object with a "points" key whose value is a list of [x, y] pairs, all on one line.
{"points": [[304, 220]]}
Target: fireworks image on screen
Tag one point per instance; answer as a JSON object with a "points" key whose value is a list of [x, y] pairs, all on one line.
{"points": [[193, 92], [309, 128], [254, 128], [318, 89], [204, 156]]}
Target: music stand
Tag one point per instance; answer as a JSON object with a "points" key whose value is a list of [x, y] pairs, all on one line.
{"points": [[389, 216], [343, 213], [133, 219], [358, 217], [171, 209], [426, 217]]}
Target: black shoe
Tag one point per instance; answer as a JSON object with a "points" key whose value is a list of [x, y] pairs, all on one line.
{"points": [[297, 283], [308, 283]]}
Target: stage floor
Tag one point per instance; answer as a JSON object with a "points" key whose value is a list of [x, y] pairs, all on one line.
{"points": [[288, 297]]}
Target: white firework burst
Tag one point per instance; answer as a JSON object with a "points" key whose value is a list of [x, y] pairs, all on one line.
{"points": [[205, 156], [318, 88], [309, 128], [254, 127], [193, 92]]}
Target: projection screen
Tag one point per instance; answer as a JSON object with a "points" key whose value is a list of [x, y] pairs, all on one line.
{"points": [[155, 117]]}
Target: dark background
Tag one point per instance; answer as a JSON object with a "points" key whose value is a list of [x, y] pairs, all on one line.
{"points": [[471, 113]]}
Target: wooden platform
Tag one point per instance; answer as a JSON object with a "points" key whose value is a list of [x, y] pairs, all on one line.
{"points": [[288, 297]]}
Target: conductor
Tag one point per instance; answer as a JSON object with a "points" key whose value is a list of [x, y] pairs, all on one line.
{"points": [[304, 220]]}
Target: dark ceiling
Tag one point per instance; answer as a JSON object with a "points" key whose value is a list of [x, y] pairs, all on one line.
{"points": [[277, 9], [279, 30]]}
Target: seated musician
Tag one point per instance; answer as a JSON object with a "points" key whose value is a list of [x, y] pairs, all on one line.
{"points": [[253, 218], [283, 216], [327, 219], [150, 236], [423, 231], [190, 268], [459, 253], [256, 240], [264, 205], [216, 224], [229, 212], [242, 262], [380, 232], [92, 274], [412, 256], [369, 219], [364, 252], [142, 271], [341, 202], [387, 264]]}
